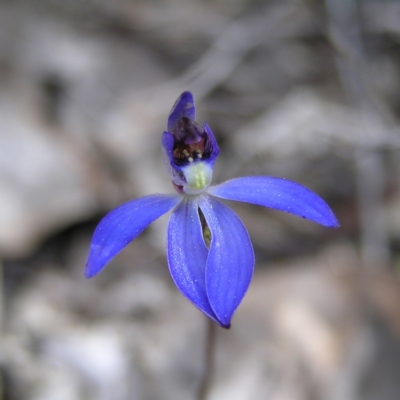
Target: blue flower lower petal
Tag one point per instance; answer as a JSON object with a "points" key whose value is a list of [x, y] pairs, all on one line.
{"points": [[279, 194], [230, 261], [183, 107], [187, 255], [120, 226]]}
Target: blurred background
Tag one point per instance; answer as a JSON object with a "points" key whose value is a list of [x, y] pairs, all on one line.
{"points": [[308, 90]]}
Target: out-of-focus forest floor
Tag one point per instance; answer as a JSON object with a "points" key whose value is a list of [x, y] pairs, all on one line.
{"points": [[306, 90]]}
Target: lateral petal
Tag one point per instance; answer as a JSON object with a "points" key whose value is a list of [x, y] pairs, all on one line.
{"points": [[187, 255], [230, 261], [121, 225], [277, 193]]}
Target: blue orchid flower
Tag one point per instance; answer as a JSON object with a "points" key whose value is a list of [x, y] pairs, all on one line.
{"points": [[209, 252]]}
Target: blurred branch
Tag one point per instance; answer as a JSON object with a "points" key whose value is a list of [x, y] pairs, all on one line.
{"points": [[225, 54], [209, 360], [371, 183], [345, 34], [229, 49], [2, 300], [349, 51]]}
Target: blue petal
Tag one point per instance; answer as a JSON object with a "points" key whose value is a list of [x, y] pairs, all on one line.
{"points": [[213, 145], [279, 194], [167, 142], [183, 107], [230, 261], [187, 255], [120, 226]]}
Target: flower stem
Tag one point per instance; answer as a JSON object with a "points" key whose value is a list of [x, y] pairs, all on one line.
{"points": [[209, 361]]}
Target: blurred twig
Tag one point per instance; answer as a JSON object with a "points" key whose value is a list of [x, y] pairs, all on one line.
{"points": [[225, 54], [371, 183], [2, 298], [237, 39], [345, 33], [1, 323], [209, 361]]}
